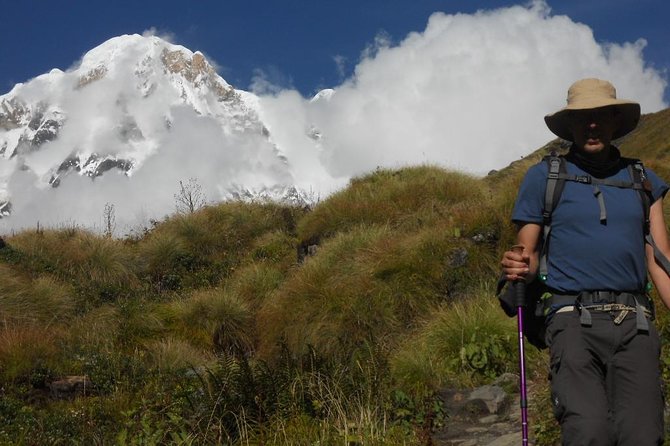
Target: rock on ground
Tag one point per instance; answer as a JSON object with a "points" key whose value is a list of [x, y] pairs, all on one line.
{"points": [[485, 416]]}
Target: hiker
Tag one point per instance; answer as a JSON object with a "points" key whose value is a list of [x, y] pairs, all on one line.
{"points": [[589, 253]]}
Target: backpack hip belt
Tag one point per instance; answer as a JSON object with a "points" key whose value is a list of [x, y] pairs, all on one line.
{"points": [[604, 301]]}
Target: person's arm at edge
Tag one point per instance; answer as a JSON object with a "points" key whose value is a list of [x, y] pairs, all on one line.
{"points": [[659, 232]]}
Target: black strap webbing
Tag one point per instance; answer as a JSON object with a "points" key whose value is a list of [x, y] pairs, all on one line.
{"points": [[658, 255], [601, 203], [636, 170], [555, 185]]}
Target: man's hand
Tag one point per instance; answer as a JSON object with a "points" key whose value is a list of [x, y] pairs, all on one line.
{"points": [[515, 263]]}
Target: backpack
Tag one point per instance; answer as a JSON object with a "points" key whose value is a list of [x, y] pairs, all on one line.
{"points": [[534, 318]]}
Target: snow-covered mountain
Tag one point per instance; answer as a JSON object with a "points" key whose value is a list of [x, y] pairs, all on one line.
{"points": [[133, 102]]}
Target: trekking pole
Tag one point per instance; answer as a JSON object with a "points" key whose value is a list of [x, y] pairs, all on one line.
{"points": [[520, 302]]}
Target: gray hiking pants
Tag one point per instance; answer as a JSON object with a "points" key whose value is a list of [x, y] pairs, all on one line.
{"points": [[606, 385]]}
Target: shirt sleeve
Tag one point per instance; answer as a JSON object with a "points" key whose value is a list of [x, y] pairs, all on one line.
{"points": [[530, 200], [658, 187]]}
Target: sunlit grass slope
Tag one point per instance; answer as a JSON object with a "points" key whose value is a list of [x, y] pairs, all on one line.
{"points": [[219, 327]]}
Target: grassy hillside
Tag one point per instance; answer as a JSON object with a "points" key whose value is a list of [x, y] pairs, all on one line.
{"points": [[268, 324]]}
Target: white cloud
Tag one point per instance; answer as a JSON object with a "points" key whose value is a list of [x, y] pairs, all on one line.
{"points": [[469, 92], [270, 81], [340, 65], [381, 41], [165, 35]]}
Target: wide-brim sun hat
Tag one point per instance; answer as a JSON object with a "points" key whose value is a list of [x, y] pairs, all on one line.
{"points": [[589, 94]]}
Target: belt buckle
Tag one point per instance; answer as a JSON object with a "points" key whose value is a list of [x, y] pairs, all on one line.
{"points": [[604, 297], [596, 297]]}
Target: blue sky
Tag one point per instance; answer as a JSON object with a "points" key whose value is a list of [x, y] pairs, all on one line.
{"points": [[294, 42], [414, 81]]}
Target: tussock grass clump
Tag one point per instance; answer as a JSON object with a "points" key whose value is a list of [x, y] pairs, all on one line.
{"points": [[330, 303], [47, 301], [162, 254], [170, 355], [276, 247], [344, 418], [29, 354], [42, 300], [367, 285], [411, 197], [212, 318], [254, 283], [230, 227], [140, 320], [299, 398], [430, 266], [98, 329], [102, 259], [201, 249], [100, 266], [122, 326]]}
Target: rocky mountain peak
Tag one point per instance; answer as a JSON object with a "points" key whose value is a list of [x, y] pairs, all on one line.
{"points": [[12, 113], [197, 70], [126, 103], [93, 75]]}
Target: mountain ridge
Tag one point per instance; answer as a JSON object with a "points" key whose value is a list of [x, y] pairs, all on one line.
{"points": [[116, 110]]}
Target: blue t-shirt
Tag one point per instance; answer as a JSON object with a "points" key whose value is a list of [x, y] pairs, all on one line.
{"points": [[585, 254]]}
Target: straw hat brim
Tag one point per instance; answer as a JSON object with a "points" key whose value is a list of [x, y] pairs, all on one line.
{"points": [[559, 122]]}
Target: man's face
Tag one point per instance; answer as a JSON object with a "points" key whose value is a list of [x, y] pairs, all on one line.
{"points": [[592, 130]]}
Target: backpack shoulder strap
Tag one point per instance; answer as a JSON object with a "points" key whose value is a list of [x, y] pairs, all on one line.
{"points": [[555, 184], [643, 186]]}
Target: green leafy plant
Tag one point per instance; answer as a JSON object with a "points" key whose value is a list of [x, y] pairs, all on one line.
{"points": [[488, 354]]}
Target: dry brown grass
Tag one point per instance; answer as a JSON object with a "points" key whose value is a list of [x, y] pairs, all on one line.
{"points": [[28, 349], [77, 256], [42, 300]]}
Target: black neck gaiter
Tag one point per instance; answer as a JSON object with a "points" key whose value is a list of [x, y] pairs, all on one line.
{"points": [[600, 169]]}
